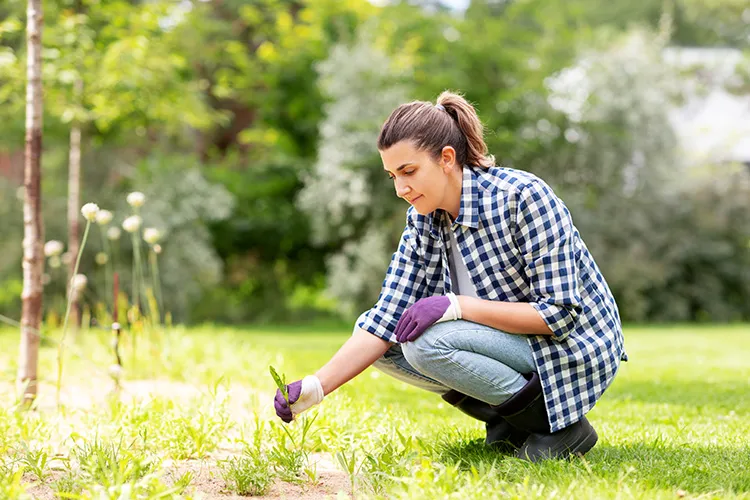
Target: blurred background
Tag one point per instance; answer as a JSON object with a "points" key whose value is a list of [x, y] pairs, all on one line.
{"points": [[250, 126]]}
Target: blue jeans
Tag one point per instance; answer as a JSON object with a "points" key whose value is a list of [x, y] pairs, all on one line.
{"points": [[467, 357]]}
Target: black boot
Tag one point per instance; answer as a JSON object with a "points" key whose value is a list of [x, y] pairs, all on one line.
{"points": [[500, 434], [526, 410]]}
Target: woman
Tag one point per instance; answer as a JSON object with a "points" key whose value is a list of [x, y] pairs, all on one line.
{"points": [[492, 299]]}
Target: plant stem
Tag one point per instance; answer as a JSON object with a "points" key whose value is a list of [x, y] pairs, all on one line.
{"points": [[67, 312], [153, 260], [107, 268]]}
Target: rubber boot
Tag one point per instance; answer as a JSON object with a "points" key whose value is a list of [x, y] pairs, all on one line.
{"points": [[526, 410], [500, 434]]}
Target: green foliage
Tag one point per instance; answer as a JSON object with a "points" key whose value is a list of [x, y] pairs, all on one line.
{"points": [[662, 430], [248, 474], [280, 382], [252, 126]]}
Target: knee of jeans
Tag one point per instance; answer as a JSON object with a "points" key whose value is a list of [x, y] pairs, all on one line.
{"points": [[385, 362], [421, 352]]}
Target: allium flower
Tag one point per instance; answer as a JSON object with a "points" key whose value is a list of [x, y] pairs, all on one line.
{"points": [[104, 217], [54, 262], [136, 199], [79, 282], [90, 210], [151, 235], [157, 249], [131, 224], [115, 371], [113, 233], [101, 258], [53, 248]]}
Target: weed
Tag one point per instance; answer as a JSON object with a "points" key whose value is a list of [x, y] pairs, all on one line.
{"points": [[36, 461], [248, 474]]}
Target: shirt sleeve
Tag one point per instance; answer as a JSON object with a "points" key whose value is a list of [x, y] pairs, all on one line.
{"points": [[546, 237], [404, 283]]}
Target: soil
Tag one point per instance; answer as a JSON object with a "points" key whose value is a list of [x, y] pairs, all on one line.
{"points": [[206, 481]]}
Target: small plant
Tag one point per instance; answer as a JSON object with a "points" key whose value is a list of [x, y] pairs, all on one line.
{"points": [[280, 381], [249, 474], [110, 464], [389, 461], [66, 486], [198, 434], [183, 482], [36, 462], [349, 463], [289, 455], [11, 487]]}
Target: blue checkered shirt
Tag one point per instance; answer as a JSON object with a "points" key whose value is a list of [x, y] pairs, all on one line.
{"points": [[519, 244]]}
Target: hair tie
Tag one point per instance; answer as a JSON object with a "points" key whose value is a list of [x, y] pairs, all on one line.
{"points": [[440, 107]]}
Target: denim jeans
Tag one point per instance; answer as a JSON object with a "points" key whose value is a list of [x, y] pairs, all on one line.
{"points": [[470, 358]]}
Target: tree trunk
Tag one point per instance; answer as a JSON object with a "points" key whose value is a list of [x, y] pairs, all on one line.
{"points": [[33, 238], [74, 202]]}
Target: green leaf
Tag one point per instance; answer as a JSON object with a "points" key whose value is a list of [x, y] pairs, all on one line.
{"points": [[280, 382]]}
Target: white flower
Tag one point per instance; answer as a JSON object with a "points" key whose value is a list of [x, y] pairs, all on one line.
{"points": [[115, 371], [53, 248], [151, 235], [79, 282], [136, 199], [101, 258], [104, 217], [131, 224], [90, 210], [157, 249], [113, 233], [54, 262]]}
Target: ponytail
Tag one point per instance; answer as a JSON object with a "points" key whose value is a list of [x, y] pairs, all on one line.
{"points": [[453, 121]]}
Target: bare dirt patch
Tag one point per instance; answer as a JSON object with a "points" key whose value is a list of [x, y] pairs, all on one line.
{"points": [[207, 481]]}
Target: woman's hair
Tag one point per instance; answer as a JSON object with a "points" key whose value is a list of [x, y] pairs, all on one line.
{"points": [[451, 122]]}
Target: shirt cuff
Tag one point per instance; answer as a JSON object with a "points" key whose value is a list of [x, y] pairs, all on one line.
{"points": [[559, 319], [377, 329]]}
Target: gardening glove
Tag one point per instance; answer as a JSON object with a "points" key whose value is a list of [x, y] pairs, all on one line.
{"points": [[303, 394], [425, 313]]}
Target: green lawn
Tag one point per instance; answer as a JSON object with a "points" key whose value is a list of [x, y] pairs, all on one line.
{"points": [[676, 422]]}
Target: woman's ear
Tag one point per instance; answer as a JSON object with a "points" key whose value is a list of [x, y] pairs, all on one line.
{"points": [[448, 157]]}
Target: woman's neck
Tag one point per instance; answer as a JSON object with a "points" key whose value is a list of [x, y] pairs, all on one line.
{"points": [[455, 183]]}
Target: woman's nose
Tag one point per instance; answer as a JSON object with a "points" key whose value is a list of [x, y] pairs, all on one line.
{"points": [[401, 188]]}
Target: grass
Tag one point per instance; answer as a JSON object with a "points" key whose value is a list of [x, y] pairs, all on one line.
{"points": [[674, 424]]}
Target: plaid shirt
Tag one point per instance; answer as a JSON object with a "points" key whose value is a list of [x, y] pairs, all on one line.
{"points": [[519, 244]]}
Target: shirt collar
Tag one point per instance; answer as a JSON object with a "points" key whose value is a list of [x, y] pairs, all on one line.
{"points": [[468, 214]]}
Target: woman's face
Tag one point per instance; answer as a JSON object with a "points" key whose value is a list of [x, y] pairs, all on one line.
{"points": [[417, 177]]}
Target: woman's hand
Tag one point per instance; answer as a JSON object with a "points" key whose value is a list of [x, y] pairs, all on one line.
{"points": [[303, 394], [425, 313]]}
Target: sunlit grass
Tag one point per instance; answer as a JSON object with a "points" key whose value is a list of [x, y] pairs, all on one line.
{"points": [[675, 423]]}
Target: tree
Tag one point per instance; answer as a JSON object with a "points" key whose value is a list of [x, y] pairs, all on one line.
{"points": [[33, 241]]}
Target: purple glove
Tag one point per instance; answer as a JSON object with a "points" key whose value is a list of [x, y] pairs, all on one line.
{"points": [[425, 313], [282, 407], [303, 394]]}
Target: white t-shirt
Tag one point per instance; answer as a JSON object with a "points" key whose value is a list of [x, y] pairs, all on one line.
{"points": [[460, 280]]}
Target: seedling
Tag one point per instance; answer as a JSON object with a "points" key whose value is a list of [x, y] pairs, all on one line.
{"points": [[249, 474], [280, 382]]}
